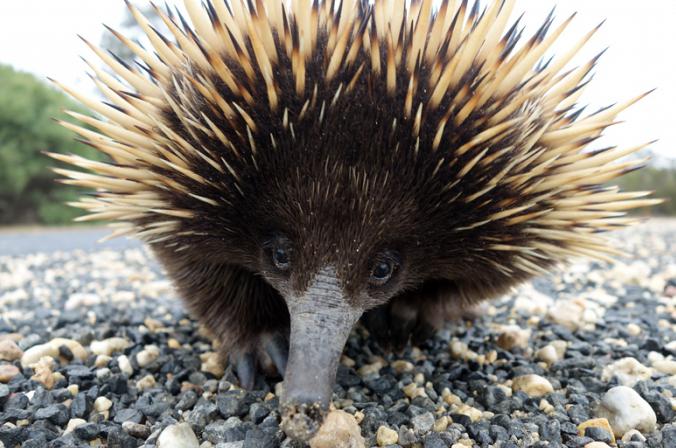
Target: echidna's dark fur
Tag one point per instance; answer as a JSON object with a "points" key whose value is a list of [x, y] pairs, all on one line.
{"points": [[350, 141]]}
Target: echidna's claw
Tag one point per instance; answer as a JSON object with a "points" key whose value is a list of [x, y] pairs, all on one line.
{"points": [[277, 347], [266, 355], [245, 366]]}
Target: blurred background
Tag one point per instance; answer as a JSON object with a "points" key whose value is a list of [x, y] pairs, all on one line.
{"points": [[38, 39]]}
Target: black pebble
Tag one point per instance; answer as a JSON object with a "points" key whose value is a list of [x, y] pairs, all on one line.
{"points": [[128, 415], [55, 413], [434, 440], [88, 431], [232, 403], [257, 438], [598, 434]]}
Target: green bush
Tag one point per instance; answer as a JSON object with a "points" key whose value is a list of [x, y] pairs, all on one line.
{"points": [[660, 180], [28, 192]]}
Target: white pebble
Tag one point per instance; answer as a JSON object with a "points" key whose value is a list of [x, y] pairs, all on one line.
{"points": [[102, 404], [35, 353], [567, 313], [633, 329], [533, 385], [628, 371], [179, 435], [547, 354], [626, 410], [145, 383], [386, 436], [339, 430], [51, 348], [125, 365], [109, 346], [667, 366], [72, 424], [148, 355], [513, 336], [78, 300]]}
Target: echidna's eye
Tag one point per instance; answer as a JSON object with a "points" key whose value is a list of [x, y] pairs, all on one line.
{"points": [[280, 257], [383, 269]]}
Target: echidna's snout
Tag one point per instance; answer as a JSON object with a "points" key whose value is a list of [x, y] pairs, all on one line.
{"points": [[321, 320]]}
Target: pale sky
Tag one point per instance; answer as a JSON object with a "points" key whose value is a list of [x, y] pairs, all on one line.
{"points": [[40, 36]]}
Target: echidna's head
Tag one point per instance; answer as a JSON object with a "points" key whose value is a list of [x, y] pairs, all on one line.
{"points": [[349, 151]]}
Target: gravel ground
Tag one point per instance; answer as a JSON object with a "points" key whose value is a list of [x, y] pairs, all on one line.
{"points": [[25, 240], [95, 350]]}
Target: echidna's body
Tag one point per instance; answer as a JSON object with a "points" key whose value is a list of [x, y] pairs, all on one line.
{"points": [[302, 163]]}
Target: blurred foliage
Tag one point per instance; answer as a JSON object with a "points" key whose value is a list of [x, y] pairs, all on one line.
{"points": [[28, 192], [661, 180]]}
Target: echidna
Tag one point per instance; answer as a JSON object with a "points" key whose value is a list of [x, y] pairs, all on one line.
{"points": [[297, 165]]}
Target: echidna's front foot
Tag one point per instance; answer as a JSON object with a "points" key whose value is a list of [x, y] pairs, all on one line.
{"points": [[399, 322], [267, 354]]}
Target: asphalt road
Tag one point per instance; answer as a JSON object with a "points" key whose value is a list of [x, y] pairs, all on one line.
{"points": [[19, 241]]}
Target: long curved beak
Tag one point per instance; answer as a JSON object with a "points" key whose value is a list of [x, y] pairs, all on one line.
{"points": [[321, 321]]}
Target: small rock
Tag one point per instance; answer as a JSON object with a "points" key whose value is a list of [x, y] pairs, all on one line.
{"points": [[212, 364], [667, 366], [533, 385], [547, 354], [625, 410], [109, 346], [55, 413], [153, 324], [386, 436], [628, 371], [423, 423], [148, 355], [633, 435], [370, 369], [43, 373], [601, 423], [567, 313], [102, 404], [102, 361], [87, 431], [633, 329], [597, 445], [7, 372], [339, 430], [125, 365], [33, 355], [78, 300], [434, 440], [128, 415], [513, 337], [179, 435], [9, 351], [531, 301], [401, 366], [441, 424], [72, 424], [473, 413], [145, 383], [412, 390], [599, 434], [136, 430], [256, 438]]}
